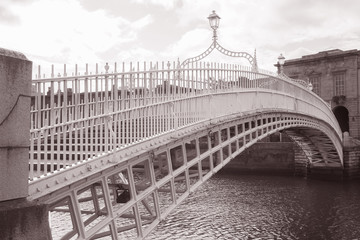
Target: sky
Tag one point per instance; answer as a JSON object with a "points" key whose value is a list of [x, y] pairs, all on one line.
{"points": [[98, 31]]}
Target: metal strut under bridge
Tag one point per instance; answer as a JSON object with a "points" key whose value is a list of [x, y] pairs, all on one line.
{"points": [[118, 151]]}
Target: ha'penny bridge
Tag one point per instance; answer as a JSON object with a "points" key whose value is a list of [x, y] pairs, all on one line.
{"points": [[113, 152]]}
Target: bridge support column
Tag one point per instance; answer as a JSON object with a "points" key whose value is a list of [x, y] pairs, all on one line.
{"points": [[19, 219], [352, 162]]}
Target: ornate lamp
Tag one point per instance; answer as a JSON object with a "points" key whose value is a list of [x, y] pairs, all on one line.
{"points": [[310, 86], [214, 21]]}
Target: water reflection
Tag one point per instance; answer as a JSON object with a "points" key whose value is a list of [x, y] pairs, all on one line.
{"points": [[266, 207]]}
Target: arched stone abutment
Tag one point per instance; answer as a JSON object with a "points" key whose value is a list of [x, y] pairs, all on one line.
{"points": [[315, 154]]}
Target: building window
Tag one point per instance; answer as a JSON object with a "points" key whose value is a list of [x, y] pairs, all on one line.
{"points": [[315, 81], [339, 83]]}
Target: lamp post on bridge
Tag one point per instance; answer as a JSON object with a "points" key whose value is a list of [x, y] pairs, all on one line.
{"points": [[310, 86], [214, 21], [280, 64]]}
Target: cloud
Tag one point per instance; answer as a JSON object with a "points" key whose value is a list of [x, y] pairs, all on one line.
{"points": [[142, 22], [191, 43], [69, 31], [167, 4], [7, 16], [61, 31]]}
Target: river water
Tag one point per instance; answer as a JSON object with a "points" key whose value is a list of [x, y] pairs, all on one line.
{"points": [[232, 206]]}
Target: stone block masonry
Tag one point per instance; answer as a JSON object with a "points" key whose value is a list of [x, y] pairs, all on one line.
{"points": [[15, 90], [352, 162], [267, 158], [19, 219]]}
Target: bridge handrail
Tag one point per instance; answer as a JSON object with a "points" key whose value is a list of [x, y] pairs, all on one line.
{"points": [[86, 113]]}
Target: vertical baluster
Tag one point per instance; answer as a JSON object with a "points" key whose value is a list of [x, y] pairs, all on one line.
{"points": [[123, 129], [70, 144], [38, 100], [245, 76], [128, 119], [43, 103], [92, 137], [198, 73], [131, 87], [65, 100], [82, 141], [106, 109], [52, 100], [147, 120], [32, 153], [156, 84], [58, 101], [38, 105], [120, 134], [163, 82], [228, 78], [116, 89], [59, 151], [97, 112], [52, 147], [202, 77], [123, 89], [38, 150], [233, 76], [101, 134], [222, 76], [138, 90], [117, 130], [45, 151], [150, 84], [76, 93], [175, 82], [139, 122], [96, 130], [86, 92], [191, 79]]}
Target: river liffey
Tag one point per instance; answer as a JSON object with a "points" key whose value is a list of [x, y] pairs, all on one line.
{"points": [[265, 207]]}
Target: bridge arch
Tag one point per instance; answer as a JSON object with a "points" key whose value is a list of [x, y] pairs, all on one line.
{"points": [[195, 127], [164, 173]]}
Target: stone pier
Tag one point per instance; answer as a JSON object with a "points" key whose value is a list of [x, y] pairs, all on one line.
{"points": [[19, 219], [352, 162]]}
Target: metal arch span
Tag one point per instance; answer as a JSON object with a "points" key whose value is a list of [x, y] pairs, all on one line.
{"points": [[160, 177], [121, 158], [184, 115]]}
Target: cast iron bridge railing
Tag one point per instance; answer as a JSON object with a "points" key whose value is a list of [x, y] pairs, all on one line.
{"points": [[115, 152]]}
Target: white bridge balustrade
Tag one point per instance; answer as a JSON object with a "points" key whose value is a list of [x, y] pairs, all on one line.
{"points": [[113, 153]]}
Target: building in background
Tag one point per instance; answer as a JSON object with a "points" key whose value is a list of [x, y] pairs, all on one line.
{"points": [[334, 74]]}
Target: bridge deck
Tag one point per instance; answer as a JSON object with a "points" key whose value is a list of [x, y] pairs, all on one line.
{"points": [[119, 151]]}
